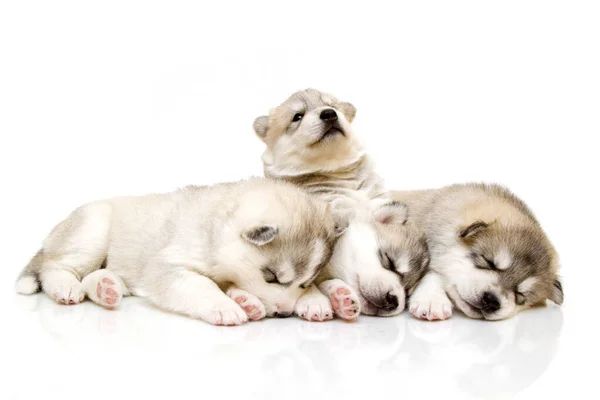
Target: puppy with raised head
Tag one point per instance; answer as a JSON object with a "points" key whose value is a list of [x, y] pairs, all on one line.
{"points": [[223, 254], [489, 255], [310, 142]]}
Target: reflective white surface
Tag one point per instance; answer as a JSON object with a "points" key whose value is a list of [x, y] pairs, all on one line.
{"points": [[140, 351], [99, 99]]}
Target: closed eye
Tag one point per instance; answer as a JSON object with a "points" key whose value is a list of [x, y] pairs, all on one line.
{"points": [[490, 263], [388, 263], [482, 262], [270, 276], [519, 298]]}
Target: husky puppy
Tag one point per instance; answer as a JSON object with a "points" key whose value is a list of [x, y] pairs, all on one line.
{"points": [[261, 242], [310, 142], [489, 255]]}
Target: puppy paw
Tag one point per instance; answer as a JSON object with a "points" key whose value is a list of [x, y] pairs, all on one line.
{"points": [[69, 295], [63, 287], [252, 306], [343, 299], [108, 292], [104, 288], [314, 306], [227, 313], [431, 306]]}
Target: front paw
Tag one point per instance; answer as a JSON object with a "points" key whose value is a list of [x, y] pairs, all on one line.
{"points": [[314, 306], [430, 305], [225, 313], [252, 306], [343, 299]]}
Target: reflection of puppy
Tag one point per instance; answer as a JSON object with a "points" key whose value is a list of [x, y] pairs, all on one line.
{"points": [[488, 253], [264, 241], [517, 360], [503, 358], [310, 142]]}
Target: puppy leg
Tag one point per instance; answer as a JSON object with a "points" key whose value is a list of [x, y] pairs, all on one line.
{"points": [[75, 247], [314, 306], [429, 301], [343, 299], [104, 288], [180, 290], [62, 286], [253, 307]]}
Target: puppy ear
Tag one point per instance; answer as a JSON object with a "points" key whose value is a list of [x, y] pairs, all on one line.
{"points": [[341, 220], [393, 212], [260, 235], [556, 295], [261, 126], [343, 211], [472, 229], [349, 111], [340, 229]]}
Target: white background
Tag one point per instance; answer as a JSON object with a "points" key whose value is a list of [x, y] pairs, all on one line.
{"points": [[122, 97]]}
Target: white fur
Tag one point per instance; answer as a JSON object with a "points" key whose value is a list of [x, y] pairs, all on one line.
{"points": [[429, 300], [314, 306], [404, 264], [503, 259], [352, 187], [527, 285], [508, 309], [443, 214], [176, 249], [355, 262], [463, 282], [62, 286], [26, 285]]}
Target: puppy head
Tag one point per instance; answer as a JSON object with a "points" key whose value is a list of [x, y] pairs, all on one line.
{"points": [[283, 242], [382, 259], [308, 132], [506, 269], [403, 250]]}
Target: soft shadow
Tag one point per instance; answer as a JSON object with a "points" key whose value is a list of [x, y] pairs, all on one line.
{"points": [[483, 357]]}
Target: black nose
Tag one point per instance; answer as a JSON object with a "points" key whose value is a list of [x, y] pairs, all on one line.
{"points": [[328, 115], [391, 302], [490, 303], [282, 314]]}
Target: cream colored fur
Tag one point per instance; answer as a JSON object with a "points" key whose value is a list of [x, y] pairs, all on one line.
{"points": [[310, 142], [482, 240], [184, 250]]}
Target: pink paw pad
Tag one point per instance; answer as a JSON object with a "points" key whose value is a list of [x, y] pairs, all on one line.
{"points": [[249, 306], [344, 302], [252, 312], [108, 293]]}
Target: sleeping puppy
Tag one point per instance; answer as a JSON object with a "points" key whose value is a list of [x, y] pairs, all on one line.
{"points": [[380, 255], [490, 257], [223, 254], [310, 142]]}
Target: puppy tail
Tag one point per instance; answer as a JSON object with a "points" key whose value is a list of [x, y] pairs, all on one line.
{"points": [[28, 281]]}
